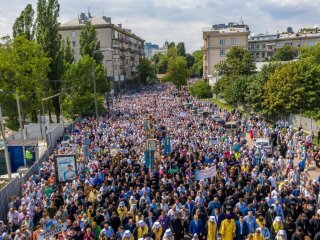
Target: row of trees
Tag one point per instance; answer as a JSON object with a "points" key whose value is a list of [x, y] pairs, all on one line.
{"points": [[36, 63], [279, 88]]}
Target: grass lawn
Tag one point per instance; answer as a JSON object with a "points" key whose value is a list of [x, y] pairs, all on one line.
{"points": [[223, 105]]}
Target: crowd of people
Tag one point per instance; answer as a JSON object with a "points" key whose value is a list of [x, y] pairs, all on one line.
{"points": [[116, 195]]}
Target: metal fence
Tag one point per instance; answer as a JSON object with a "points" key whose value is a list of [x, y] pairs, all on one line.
{"points": [[13, 188]]}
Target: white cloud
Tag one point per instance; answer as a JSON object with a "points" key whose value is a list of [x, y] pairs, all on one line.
{"points": [[181, 20]]}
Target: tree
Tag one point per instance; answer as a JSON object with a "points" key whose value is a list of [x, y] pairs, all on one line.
{"points": [[197, 67], [89, 44], [293, 87], [239, 62], [190, 60], [201, 89], [78, 84], [23, 67], [177, 72], [67, 51], [47, 35], [236, 89], [181, 50], [162, 65], [254, 96], [24, 24], [285, 53], [146, 71]]}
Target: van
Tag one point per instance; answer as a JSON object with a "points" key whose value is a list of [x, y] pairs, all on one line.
{"points": [[231, 125]]}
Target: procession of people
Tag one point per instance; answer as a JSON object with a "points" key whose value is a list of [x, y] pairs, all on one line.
{"points": [[119, 190]]}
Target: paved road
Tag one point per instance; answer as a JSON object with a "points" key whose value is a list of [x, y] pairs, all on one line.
{"points": [[312, 173]]}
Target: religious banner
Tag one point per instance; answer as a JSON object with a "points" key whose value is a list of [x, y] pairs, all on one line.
{"points": [[52, 230], [204, 174]]}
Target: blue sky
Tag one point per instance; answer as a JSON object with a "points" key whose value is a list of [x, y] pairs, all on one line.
{"points": [[181, 20]]}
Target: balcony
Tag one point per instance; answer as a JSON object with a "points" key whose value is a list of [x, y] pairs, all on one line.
{"points": [[115, 46], [121, 39], [114, 37], [132, 58]]}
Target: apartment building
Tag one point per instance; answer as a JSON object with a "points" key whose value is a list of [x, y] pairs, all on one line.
{"points": [[263, 46], [149, 48], [218, 40], [122, 61]]}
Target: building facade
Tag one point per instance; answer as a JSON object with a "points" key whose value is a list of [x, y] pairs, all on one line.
{"points": [[218, 40], [148, 49], [121, 63], [263, 46]]}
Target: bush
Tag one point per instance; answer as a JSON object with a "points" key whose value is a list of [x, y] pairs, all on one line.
{"points": [[201, 89]]}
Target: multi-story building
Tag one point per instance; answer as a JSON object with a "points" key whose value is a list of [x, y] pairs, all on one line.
{"points": [[218, 40], [122, 61], [263, 46], [162, 49], [148, 49]]}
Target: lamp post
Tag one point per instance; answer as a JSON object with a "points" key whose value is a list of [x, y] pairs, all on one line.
{"points": [[94, 84], [6, 154]]}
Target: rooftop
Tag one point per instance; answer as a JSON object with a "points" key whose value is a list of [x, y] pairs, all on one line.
{"points": [[227, 28]]}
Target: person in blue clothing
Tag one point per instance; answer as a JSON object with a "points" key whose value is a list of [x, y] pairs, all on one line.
{"points": [[70, 174], [242, 229], [196, 226], [251, 221]]}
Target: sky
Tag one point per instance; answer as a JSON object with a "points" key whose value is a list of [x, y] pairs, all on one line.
{"points": [[181, 20]]}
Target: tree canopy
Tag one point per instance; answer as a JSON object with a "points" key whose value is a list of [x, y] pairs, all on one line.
{"points": [[285, 53], [89, 44], [24, 24], [239, 62], [177, 72]]}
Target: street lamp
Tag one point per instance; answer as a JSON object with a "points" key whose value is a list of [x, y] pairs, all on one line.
{"points": [[95, 85], [20, 123]]}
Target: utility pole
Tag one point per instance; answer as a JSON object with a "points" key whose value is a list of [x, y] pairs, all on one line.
{"points": [[6, 154], [21, 130]]}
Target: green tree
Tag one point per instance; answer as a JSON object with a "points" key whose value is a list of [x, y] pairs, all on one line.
{"points": [[23, 67], [254, 96], [201, 89], [181, 49], [146, 71], [89, 44], [24, 24], [236, 90], [293, 87], [67, 51], [162, 65], [239, 61], [47, 35], [285, 53], [78, 84], [190, 60], [177, 72], [197, 67]]}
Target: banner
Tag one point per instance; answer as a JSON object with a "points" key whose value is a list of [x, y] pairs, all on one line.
{"points": [[65, 167], [207, 173], [53, 230]]}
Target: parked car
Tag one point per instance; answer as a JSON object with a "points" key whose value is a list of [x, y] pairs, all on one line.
{"points": [[263, 144], [231, 125], [217, 119]]}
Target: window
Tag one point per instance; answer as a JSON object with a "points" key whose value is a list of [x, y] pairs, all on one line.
{"points": [[258, 46], [263, 54], [252, 46], [257, 54], [222, 52], [263, 46], [222, 41], [73, 43], [233, 41], [310, 43], [73, 34]]}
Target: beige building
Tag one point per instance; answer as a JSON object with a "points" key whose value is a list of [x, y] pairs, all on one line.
{"points": [[121, 63], [218, 40], [263, 46]]}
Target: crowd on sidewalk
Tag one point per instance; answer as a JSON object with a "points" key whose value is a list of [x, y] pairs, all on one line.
{"points": [[116, 196]]}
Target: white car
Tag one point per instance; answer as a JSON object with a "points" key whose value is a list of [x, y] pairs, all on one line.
{"points": [[263, 143]]}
